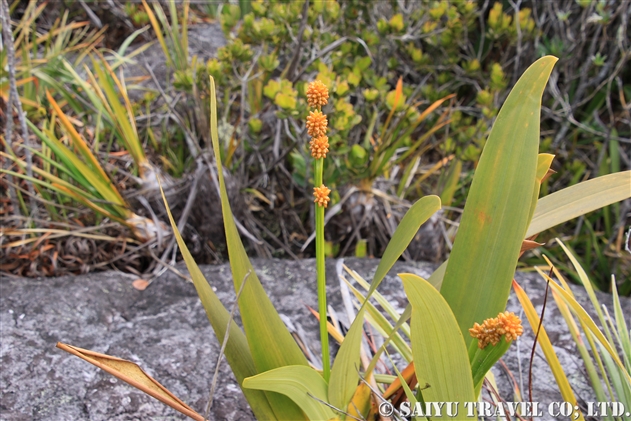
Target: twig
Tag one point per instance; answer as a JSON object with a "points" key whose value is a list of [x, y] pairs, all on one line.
{"points": [[332, 407], [276, 240], [321, 53], [294, 61], [223, 346], [93, 17], [14, 99], [534, 345]]}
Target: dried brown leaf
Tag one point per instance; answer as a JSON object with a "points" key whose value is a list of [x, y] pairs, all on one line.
{"points": [[131, 373]]}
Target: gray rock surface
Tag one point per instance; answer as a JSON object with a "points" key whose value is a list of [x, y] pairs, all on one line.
{"points": [[165, 330]]}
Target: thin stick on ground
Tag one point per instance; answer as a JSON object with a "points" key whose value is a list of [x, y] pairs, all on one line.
{"points": [[534, 345], [223, 347], [14, 97]]}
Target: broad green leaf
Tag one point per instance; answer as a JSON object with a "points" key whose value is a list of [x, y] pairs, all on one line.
{"points": [[440, 354], [345, 374], [237, 351], [484, 359], [497, 212], [301, 384], [345, 370], [546, 347], [271, 344], [579, 199]]}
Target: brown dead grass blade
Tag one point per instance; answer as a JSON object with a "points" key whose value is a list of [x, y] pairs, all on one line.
{"points": [[131, 373]]}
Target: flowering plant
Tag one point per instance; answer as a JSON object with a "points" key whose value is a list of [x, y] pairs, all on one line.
{"points": [[450, 350]]}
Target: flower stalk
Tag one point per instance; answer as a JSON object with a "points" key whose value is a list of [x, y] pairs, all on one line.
{"points": [[317, 96]]}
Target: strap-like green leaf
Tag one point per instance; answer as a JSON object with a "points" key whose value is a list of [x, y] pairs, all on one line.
{"points": [[579, 199], [440, 355], [271, 344], [237, 351], [497, 212], [303, 385], [345, 372]]}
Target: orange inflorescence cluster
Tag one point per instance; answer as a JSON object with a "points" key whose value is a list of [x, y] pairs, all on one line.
{"points": [[319, 147], [321, 195], [317, 94], [491, 330], [316, 124]]}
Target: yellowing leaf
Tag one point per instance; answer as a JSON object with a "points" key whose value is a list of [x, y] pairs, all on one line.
{"points": [[498, 208], [301, 384], [440, 354]]}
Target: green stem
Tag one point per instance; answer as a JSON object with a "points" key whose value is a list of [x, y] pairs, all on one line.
{"points": [[321, 274]]}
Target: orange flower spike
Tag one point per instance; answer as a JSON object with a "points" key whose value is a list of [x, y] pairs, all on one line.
{"points": [[319, 147], [321, 195], [491, 330], [510, 325], [317, 94], [316, 124]]}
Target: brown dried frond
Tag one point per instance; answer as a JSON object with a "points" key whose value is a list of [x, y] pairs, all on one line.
{"points": [[319, 147]]}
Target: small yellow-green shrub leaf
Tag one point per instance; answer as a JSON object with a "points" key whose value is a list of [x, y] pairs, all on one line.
{"points": [[438, 347], [497, 211], [285, 101], [301, 384], [579, 199]]}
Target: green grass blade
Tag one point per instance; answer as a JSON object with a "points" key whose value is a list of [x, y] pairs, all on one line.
{"points": [[587, 284], [548, 350], [588, 322], [440, 354], [582, 349], [271, 343], [382, 325], [237, 351], [104, 188], [497, 212], [579, 199], [416, 216], [381, 300], [301, 384], [621, 324]]}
